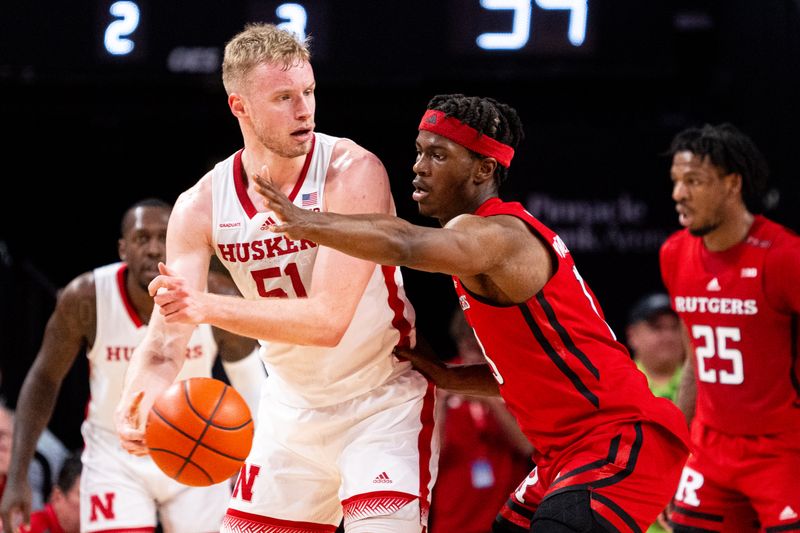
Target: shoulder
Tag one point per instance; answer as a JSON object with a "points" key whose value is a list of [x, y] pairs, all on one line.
{"points": [[192, 211], [356, 181], [81, 290], [195, 197], [354, 162], [76, 306], [499, 232], [784, 253], [674, 243], [778, 233]]}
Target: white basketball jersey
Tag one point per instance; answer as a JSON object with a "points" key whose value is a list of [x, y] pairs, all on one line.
{"points": [[119, 331], [269, 265]]}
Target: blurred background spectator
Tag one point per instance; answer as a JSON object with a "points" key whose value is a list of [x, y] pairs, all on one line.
{"points": [[656, 343], [484, 454]]}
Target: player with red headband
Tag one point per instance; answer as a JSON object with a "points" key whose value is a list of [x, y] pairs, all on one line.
{"points": [[608, 453]]}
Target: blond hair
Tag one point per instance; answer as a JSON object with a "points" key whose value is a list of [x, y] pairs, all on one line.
{"points": [[259, 44]]}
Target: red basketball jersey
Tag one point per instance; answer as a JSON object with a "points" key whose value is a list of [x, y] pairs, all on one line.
{"points": [[560, 368], [740, 308]]}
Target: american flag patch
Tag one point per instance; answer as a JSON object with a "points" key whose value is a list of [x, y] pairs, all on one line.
{"points": [[309, 199]]}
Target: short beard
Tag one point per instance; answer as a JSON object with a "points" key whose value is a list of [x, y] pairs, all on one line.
{"points": [[295, 151], [704, 230]]}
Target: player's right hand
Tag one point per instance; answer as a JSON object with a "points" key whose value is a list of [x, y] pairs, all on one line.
{"points": [[15, 509], [130, 425]]}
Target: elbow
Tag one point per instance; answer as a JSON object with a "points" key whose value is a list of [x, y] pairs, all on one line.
{"points": [[329, 338], [328, 334]]}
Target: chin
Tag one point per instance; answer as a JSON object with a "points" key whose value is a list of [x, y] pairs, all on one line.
{"points": [[426, 211], [702, 231]]}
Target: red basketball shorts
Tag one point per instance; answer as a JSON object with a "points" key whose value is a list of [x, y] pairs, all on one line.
{"points": [[731, 480], [630, 474]]}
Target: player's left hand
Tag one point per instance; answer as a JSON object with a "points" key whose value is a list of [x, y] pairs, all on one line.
{"points": [[178, 301], [292, 217]]}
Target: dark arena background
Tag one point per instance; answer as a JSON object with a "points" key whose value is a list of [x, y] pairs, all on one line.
{"points": [[106, 102]]}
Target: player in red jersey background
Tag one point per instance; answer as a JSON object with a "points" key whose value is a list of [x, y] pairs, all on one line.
{"points": [[608, 453], [732, 277]]}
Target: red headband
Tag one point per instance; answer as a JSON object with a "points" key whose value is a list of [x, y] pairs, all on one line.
{"points": [[468, 137]]}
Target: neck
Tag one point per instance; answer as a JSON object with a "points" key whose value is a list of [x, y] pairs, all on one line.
{"points": [[283, 171], [732, 231], [140, 298], [470, 206]]}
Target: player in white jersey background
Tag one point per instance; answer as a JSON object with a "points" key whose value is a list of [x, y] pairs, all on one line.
{"points": [[345, 429], [105, 311]]}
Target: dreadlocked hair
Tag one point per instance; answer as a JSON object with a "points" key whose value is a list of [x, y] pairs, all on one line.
{"points": [[486, 115], [733, 152]]}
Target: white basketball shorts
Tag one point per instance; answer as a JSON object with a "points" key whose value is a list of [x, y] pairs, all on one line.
{"points": [[309, 467], [120, 491]]}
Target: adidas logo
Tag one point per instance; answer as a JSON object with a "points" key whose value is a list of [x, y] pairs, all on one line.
{"points": [[382, 478], [787, 514], [267, 223], [431, 119], [713, 285]]}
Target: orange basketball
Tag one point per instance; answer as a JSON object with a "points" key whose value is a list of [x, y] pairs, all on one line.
{"points": [[199, 431]]}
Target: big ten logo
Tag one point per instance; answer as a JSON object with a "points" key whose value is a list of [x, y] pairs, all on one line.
{"points": [[194, 352], [691, 481]]}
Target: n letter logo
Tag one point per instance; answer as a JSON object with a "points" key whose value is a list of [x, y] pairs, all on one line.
{"points": [[247, 476], [107, 509]]}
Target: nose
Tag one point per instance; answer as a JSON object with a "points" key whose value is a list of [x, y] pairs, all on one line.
{"points": [[305, 107], [156, 247], [679, 191], [419, 166]]}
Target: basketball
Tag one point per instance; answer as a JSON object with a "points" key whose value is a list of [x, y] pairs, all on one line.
{"points": [[199, 431]]}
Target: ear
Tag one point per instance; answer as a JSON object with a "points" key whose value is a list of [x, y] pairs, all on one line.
{"points": [[735, 182], [236, 104], [121, 249], [485, 170]]}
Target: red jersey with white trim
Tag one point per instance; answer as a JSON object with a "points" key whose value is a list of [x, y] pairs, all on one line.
{"points": [[740, 307], [264, 264], [560, 368]]}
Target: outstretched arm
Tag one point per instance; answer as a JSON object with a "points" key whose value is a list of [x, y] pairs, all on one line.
{"points": [[68, 330], [467, 246]]}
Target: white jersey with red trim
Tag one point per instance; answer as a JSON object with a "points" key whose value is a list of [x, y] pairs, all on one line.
{"points": [[119, 331], [264, 264]]}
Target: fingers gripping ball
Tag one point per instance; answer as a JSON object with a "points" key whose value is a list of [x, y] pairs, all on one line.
{"points": [[199, 431]]}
